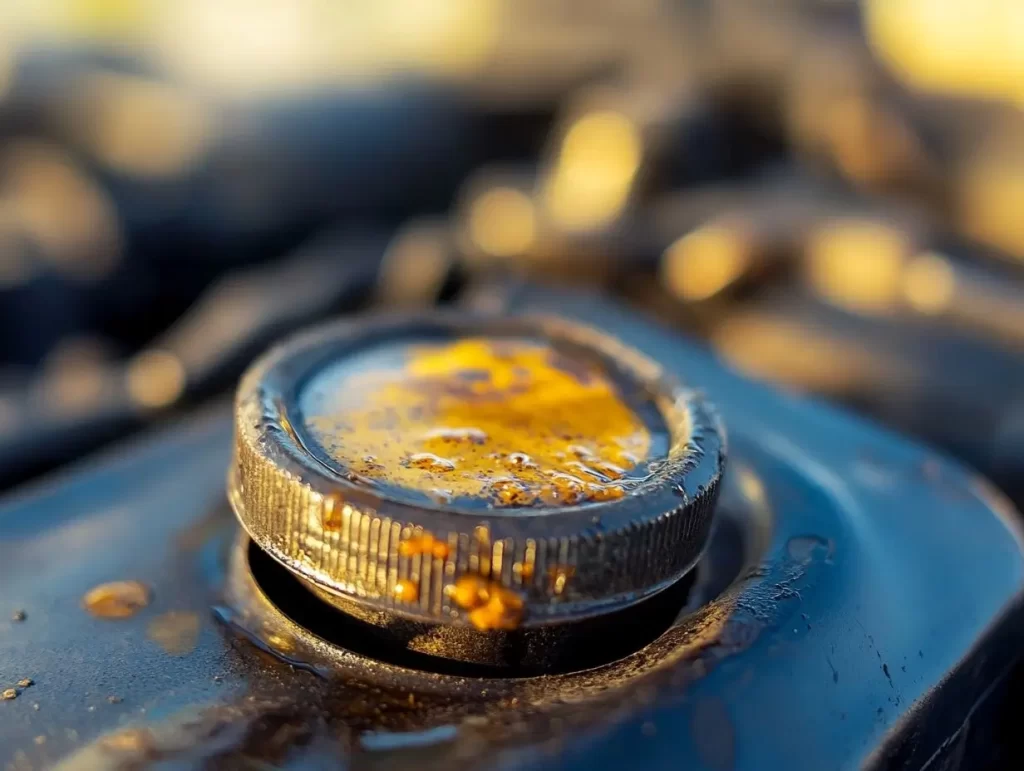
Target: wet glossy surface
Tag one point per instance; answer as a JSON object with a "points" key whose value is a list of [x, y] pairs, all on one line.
{"points": [[503, 422], [885, 606]]}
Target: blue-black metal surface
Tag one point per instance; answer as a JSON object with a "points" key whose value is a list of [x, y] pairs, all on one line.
{"points": [[878, 626]]}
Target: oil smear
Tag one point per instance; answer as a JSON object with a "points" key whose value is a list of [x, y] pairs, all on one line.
{"points": [[510, 422]]}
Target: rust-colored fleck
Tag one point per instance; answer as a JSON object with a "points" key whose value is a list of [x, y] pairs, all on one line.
{"points": [[332, 512], [118, 599], [513, 422], [8, 694], [424, 544], [176, 632], [490, 605], [406, 591]]}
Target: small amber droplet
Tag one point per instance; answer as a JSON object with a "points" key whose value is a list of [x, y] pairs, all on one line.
{"points": [[406, 591], [490, 605], [26, 682], [606, 492], [8, 694], [503, 610], [456, 435], [423, 544], [118, 599], [470, 591], [332, 512], [427, 461], [564, 489], [439, 550], [509, 492], [520, 460]]}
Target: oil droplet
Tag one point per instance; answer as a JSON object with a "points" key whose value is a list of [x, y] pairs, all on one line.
{"points": [[504, 610], [8, 694], [564, 489], [469, 591], [430, 462], [456, 435], [519, 460], [26, 682], [509, 492], [333, 509], [117, 599], [490, 605], [424, 544], [406, 591], [176, 632], [605, 492]]}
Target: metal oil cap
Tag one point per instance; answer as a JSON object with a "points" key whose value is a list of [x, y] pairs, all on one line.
{"points": [[484, 473]]}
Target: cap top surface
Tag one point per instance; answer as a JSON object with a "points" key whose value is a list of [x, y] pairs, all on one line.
{"points": [[481, 422]]}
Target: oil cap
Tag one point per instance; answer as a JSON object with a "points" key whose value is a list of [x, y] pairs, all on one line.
{"points": [[460, 482]]}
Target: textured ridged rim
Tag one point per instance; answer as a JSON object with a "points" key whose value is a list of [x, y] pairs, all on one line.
{"points": [[567, 562]]}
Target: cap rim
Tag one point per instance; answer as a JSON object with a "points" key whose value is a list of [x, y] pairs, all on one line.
{"points": [[565, 562]]}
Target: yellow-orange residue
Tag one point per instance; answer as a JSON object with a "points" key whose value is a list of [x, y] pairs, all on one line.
{"points": [[406, 591], [424, 544], [490, 605], [513, 421]]}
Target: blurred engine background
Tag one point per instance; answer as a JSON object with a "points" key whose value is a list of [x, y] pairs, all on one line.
{"points": [[829, 193]]}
